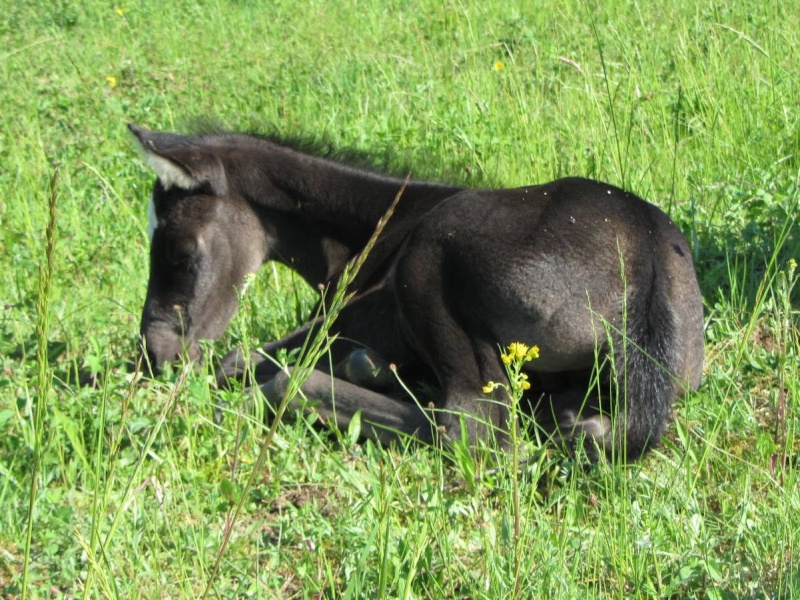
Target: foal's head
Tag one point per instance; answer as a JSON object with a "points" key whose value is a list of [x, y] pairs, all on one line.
{"points": [[205, 239]]}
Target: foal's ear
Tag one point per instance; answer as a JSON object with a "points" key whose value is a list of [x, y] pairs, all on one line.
{"points": [[180, 161]]}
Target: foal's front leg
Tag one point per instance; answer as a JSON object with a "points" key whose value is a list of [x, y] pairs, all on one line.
{"points": [[236, 365], [363, 367], [336, 401], [367, 322]]}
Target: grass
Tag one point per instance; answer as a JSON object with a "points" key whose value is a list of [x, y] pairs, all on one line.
{"points": [[126, 490]]}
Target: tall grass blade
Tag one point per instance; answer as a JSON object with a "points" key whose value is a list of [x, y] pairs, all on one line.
{"points": [[44, 375]]}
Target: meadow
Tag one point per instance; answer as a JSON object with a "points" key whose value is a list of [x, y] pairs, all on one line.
{"points": [[129, 489]]}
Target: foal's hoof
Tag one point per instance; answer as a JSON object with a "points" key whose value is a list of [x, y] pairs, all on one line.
{"points": [[595, 433], [365, 368]]}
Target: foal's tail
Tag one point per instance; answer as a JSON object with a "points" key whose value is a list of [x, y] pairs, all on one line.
{"points": [[647, 362]]}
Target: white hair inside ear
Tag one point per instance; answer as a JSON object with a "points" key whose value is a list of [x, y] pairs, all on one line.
{"points": [[170, 174]]}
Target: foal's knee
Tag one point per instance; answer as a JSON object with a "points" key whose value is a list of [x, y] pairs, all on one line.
{"points": [[365, 368]]}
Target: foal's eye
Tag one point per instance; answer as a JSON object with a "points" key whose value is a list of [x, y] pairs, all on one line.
{"points": [[182, 251]]}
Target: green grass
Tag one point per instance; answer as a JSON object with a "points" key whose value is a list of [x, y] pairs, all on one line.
{"points": [[126, 490]]}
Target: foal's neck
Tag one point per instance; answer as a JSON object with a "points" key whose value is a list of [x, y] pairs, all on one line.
{"points": [[351, 200], [339, 206]]}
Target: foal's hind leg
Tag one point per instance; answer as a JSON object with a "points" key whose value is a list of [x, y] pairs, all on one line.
{"points": [[463, 360], [466, 409], [337, 401]]}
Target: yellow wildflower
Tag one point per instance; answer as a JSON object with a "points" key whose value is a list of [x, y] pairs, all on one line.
{"points": [[523, 381], [112, 81], [120, 12], [487, 389], [517, 350], [498, 66], [792, 265]]}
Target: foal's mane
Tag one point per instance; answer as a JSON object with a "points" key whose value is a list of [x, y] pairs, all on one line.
{"points": [[384, 160]]}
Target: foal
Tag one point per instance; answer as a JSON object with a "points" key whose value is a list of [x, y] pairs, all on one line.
{"points": [[599, 279]]}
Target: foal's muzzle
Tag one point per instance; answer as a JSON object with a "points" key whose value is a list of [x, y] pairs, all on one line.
{"points": [[160, 344]]}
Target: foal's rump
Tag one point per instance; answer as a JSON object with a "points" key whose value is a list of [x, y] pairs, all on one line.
{"points": [[590, 273]]}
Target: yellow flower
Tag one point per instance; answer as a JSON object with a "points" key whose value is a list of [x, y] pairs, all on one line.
{"points": [[112, 81], [517, 350], [487, 389], [120, 12], [792, 265], [526, 385], [498, 66]]}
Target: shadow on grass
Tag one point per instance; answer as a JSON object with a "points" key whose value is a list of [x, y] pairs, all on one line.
{"points": [[750, 233]]}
